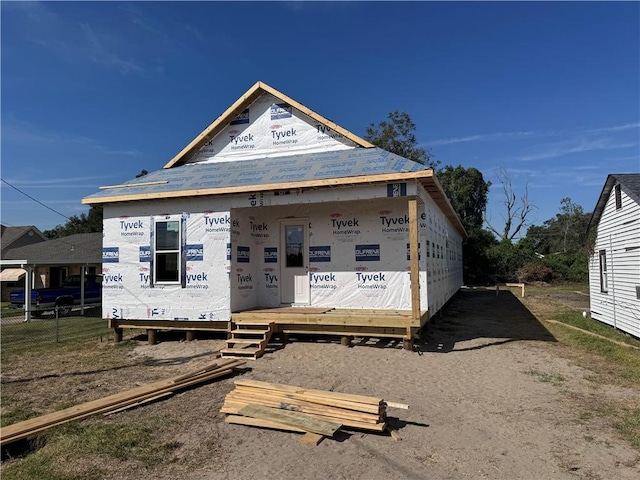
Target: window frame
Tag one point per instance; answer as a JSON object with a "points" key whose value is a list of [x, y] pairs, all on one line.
{"points": [[166, 251], [617, 192], [604, 272]]}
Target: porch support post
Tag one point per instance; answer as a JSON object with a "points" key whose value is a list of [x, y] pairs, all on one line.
{"points": [[414, 266]]}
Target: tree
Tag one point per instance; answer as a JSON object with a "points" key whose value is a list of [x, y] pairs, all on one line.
{"points": [[517, 209], [397, 136], [142, 173], [467, 192], [84, 223]]}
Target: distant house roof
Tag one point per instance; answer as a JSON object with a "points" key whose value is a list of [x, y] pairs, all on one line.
{"points": [[12, 236], [630, 181], [80, 248]]}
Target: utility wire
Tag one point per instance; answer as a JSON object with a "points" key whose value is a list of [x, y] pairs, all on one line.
{"points": [[35, 200]]}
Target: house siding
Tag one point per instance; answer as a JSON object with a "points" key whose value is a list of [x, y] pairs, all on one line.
{"points": [[619, 236]]}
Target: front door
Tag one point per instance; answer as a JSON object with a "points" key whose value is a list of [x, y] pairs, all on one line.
{"points": [[294, 262]]}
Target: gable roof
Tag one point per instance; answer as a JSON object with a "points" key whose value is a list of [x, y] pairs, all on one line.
{"points": [[11, 235], [630, 181], [239, 106], [73, 249]]}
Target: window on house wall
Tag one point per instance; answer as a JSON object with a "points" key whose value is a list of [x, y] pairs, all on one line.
{"points": [[604, 277], [167, 261], [618, 194]]}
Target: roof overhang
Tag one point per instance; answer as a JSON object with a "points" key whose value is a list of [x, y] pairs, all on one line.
{"points": [[425, 177], [12, 274]]}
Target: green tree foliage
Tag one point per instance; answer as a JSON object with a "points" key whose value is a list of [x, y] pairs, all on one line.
{"points": [[83, 223], [564, 233], [397, 136], [467, 192]]}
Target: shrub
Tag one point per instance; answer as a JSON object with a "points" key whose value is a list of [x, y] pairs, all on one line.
{"points": [[534, 272]]}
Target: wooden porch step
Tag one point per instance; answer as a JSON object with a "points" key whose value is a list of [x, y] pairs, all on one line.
{"points": [[252, 353], [243, 331], [249, 342]]}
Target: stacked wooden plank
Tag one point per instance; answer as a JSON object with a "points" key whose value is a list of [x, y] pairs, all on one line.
{"points": [[291, 408], [118, 401]]}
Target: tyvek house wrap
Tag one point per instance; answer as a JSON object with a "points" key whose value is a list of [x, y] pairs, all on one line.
{"points": [[127, 269], [358, 258]]}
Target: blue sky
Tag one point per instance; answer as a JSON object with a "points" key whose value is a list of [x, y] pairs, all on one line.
{"points": [[94, 92]]}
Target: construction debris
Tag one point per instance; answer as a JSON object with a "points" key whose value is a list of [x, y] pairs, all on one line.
{"points": [[118, 401], [317, 413]]}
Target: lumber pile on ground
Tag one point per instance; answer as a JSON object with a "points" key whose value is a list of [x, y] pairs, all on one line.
{"points": [[118, 401], [317, 413]]}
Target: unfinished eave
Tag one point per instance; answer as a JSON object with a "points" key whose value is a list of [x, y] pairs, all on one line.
{"points": [[239, 106], [425, 177]]}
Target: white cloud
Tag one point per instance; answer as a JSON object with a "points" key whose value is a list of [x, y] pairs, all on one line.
{"points": [[479, 137]]}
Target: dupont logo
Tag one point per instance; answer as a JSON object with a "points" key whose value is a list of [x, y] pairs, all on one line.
{"points": [[145, 253], [396, 190], [368, 253], [110, 254], [228, 251], [409, 251], [270, 254], [241, 119], [281, 110], [242, 254], [320, 254], [195, 252]]}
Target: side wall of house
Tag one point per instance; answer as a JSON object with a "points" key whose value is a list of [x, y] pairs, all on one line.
{"points": [[618, 237], [443, 247]]}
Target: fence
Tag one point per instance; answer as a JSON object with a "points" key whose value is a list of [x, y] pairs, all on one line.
{"points": [[54, 326]]}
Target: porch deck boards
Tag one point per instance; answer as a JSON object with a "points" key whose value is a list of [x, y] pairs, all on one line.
{"points": [[339, 317]]}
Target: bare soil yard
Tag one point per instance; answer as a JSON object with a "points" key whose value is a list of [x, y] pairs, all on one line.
{"points": [[492, 394]]}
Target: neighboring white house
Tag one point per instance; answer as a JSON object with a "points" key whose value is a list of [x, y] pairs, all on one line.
{"points": [[274, 206], [614, 266]]}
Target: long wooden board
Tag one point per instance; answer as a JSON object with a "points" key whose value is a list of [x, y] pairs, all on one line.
{"points": [[29, 427], [293, 419], [235, 408], [311, 398], [322, 393]]}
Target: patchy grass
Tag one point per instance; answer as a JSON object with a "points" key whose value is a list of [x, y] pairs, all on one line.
{"points": [[39, 335], [610, 362], [546, 377]]}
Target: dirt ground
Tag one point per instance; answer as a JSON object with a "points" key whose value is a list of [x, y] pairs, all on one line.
{"points": [[490, 396]]}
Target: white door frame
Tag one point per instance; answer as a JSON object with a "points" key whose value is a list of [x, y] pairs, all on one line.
{"points": [[294, 280]]}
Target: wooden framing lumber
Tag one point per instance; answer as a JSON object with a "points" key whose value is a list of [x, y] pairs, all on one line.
{"points": [[302, 407], [117, 401], [310, 438], [236, 408], [293, 419], [414, 261], [321, 393], [257, 422], [314, 399]]}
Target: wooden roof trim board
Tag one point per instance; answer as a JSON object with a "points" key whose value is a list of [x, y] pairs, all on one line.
{"points": [[243, 102]]}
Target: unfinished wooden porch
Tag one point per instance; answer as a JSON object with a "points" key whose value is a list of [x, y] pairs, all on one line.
{"points": [[343, 322]]}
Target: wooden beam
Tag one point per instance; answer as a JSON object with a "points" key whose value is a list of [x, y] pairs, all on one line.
{"points": [[292, 419], [127, 185], [311, 439], [414, 265]]}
